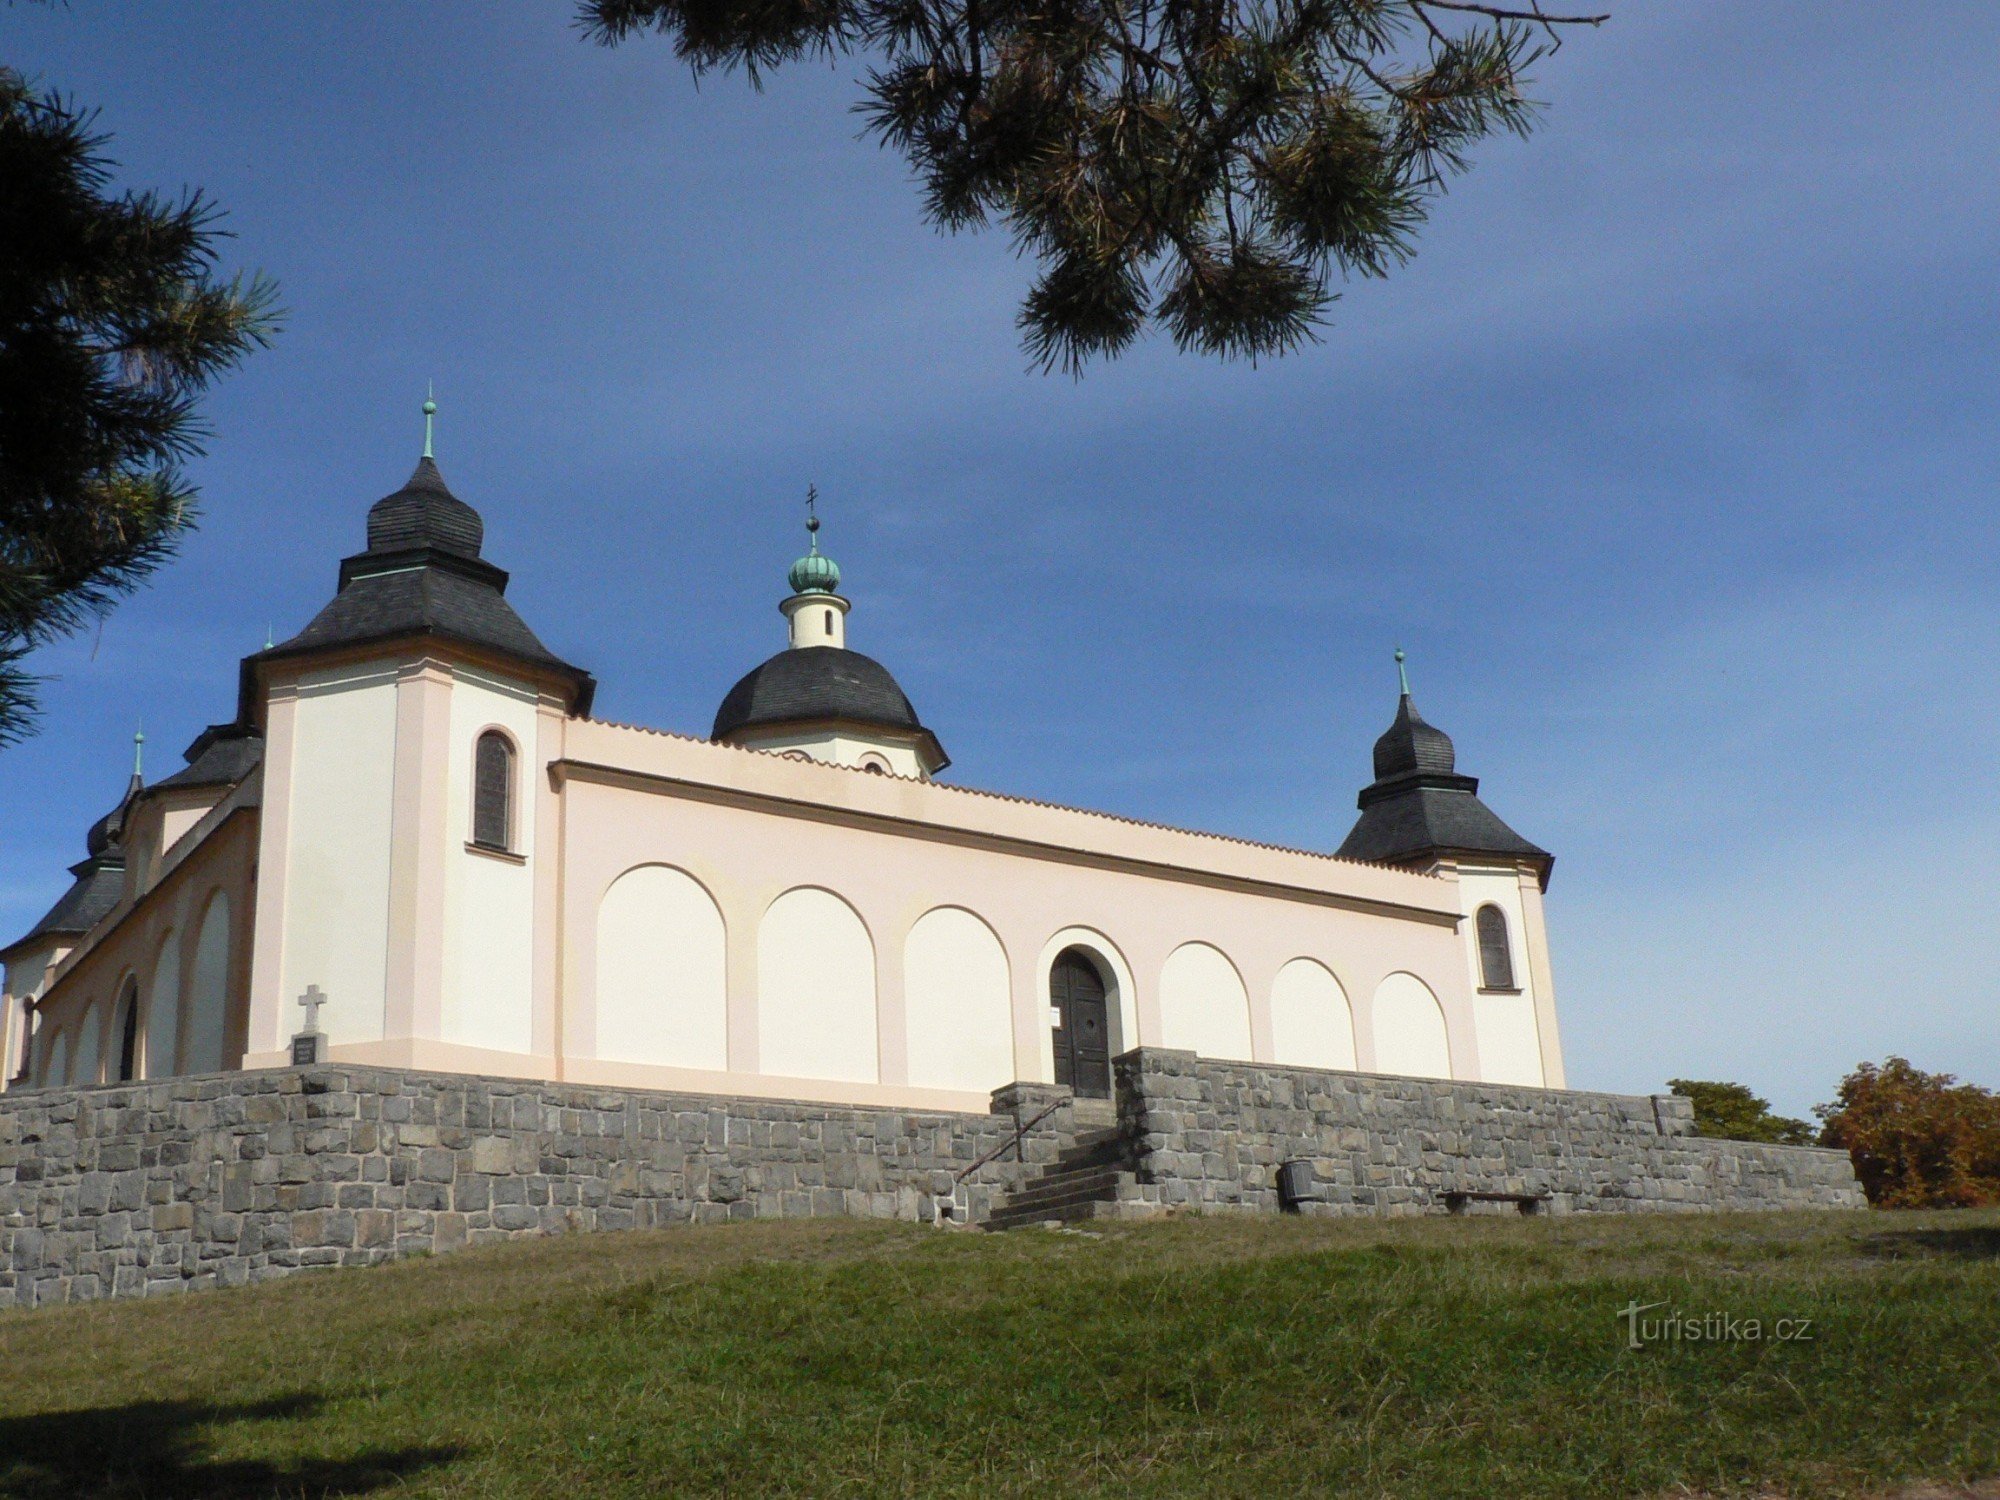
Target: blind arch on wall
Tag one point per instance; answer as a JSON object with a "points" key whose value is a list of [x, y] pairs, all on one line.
{"points": [[163, 1010], [1496, 951], [958, 1003], [1410, 1035], [1203, 1004], [662, 992], [208, 989], [816, 990], [55, 1067], [85, 1067], [1312, 1024], [493, 791]]}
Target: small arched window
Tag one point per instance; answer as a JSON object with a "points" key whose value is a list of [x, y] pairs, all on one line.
{"points": [[829, 622], [1496, 953], [493, 792]]}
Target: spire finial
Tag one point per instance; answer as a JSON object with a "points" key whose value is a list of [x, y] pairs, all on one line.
{"points": [[812, 516], [138, 753], [270, 636], [1402, 677], [430, 412]]}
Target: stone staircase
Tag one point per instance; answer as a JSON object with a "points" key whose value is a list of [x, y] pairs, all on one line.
{"points": [[1090, 1179]]}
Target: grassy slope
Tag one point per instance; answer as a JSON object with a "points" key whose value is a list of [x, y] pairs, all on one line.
{"points": [[1203, 1357]]}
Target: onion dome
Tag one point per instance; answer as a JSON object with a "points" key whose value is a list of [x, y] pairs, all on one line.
{"points": [[815, 573], [828, 684], [1419, 808]]}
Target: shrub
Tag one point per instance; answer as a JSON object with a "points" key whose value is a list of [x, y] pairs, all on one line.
{"points": [[1730, 1112], [1919, 1140]]}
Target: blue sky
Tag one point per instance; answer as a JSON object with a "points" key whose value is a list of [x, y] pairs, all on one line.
{"points": [[1671, 461]]}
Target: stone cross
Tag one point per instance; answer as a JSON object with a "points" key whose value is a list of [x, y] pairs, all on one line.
{"points": [[312, 1000]]}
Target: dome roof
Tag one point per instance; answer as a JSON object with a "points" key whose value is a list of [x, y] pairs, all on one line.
{"points": [[424, 513], [1410, 744], [813, 685]]}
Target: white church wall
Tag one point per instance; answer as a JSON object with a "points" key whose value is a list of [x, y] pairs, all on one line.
{"points": [[896, 758], [662, 995], [751, 827], [1410, 1036], [163, 1011], [489, 918], [27, 974], [1510, 1049], [55, 1070], [816, 990], [958, 1003], [336, 880], [1312, 1024], [1203, 1004], [208, 990]]}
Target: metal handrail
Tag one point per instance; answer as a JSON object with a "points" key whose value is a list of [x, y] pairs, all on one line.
{"points": [[1020, 1134]]}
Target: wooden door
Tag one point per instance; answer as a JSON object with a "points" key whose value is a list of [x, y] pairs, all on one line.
{"points": [[1082, 1036]]}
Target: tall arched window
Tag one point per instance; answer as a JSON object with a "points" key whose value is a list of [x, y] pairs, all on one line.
{"points": [[1496, 954], [493, 792], [127, 1038]]}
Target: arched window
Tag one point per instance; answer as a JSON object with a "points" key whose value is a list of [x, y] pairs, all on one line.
{"points": [[1496, 954], [493, 792], [127, 1023]]}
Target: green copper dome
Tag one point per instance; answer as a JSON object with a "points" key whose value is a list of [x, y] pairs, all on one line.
{"points": [[814, 573]]}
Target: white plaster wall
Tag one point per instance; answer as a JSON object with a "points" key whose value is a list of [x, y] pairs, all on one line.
{"points": [[1203, 1004], [662, 992], [816, 990], [175, 821], [84, 1070], [56, 1069], [957, 1003], [841, 749], [163, 1011], [1409, 1029], [1312, 1024], [1510, 1048], [336, 926], [488, 996], [27, 972], [208, 990]]}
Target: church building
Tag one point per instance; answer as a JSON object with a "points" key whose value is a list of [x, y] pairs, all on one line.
{"points": [[413, 823]]}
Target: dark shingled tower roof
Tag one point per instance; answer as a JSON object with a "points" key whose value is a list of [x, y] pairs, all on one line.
{"points": [[817, 685], [1419, 806], [98, 879], [422, 575]]}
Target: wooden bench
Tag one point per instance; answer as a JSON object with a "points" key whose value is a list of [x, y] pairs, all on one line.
{"points": [[1457, 1200]]}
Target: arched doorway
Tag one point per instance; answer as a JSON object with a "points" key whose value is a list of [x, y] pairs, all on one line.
{"points": [[1082, 1037]]}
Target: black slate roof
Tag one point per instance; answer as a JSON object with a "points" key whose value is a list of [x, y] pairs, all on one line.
{"points": [[422, 575], [221, 755], [814, 684], [1419, 805], [98, 880]]}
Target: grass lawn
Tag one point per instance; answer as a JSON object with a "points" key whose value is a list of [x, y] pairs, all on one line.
{"points": [[1430, 1358]]}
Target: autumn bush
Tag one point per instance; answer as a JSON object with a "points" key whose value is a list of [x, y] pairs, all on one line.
{"points": [[1919, 1140]]}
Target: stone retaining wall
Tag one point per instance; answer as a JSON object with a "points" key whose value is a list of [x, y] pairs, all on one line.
{"points": [[1211, 1135], [134, 1189], [195, 1182]]}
